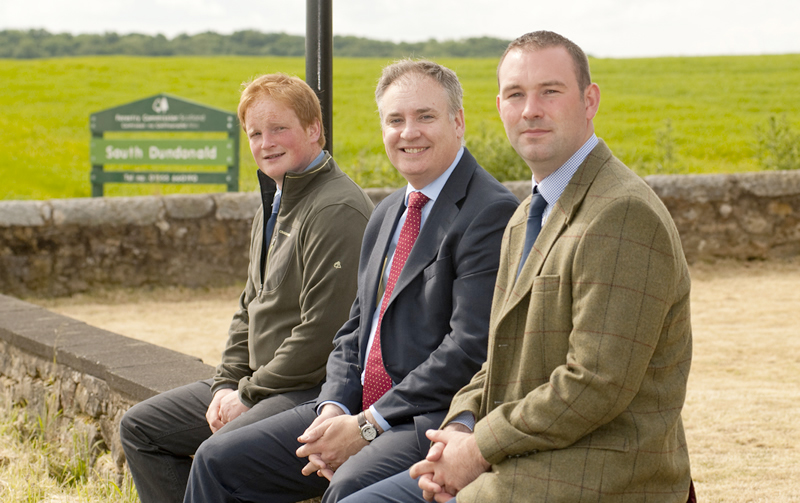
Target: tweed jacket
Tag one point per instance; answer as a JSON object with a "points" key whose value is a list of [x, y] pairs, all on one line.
{"points": [[589, 351]]}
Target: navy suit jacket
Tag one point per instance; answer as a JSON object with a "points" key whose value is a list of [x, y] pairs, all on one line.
{"points": [[434, 332]]}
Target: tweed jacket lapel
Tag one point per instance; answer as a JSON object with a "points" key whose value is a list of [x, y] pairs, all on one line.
{"points": [[557, 223]]}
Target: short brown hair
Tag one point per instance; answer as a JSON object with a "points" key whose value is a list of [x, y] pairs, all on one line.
{"points": [[288, 90], [446, 78], [538, 40]]}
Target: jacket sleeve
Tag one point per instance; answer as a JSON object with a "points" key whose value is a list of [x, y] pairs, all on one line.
{"points": [[623, 286], [469, 398], [331, 240], [236, 355], [343, 379]]}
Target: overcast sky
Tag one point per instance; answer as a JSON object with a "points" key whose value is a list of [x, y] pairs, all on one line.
{"points": [[603, 28]]}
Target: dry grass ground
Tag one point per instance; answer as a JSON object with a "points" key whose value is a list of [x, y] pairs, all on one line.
{"points": [[194, 322], [742, 412]]}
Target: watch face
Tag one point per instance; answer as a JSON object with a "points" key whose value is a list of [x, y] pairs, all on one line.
{"points": [[368, 432]]}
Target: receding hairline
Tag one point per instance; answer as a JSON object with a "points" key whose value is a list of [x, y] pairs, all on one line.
{"points": [[533, 50], [409, 79], [540, 40], [404, 71]]}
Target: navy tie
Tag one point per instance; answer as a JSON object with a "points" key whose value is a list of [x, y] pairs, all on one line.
{"points": [[538, 204]]}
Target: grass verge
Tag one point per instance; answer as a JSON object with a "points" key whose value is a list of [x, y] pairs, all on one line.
{"points": [[35, 467]]}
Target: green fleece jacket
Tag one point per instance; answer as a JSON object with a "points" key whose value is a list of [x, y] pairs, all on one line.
{"points": [[282, 333]]}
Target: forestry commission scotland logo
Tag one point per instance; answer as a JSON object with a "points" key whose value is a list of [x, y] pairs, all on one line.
{"points": [[161, 105]]}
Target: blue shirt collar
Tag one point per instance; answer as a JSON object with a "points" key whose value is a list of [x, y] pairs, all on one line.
{"points": [[433, 189], [554, 184], [316, 161]]}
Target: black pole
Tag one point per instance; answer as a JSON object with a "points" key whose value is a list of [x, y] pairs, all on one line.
{"points": [[319, 60]]}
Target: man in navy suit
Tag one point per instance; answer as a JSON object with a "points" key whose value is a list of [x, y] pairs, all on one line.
{"points": [[417, 329]]}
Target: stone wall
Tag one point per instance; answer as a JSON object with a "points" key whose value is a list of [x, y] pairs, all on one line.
{"points": [[745, 216], [83, 377], [59, 247]]}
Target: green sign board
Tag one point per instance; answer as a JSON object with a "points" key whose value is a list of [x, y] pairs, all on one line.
{"points": [[164, 113]]}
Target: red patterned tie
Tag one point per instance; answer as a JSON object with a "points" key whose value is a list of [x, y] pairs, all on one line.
{"points": [[376, 380]]}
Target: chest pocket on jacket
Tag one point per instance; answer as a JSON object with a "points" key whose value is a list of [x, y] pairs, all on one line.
{"points": [[279, 259], [546, 284], [439, 269]]}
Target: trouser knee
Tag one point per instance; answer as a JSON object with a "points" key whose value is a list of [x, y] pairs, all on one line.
{"points": [[342, 485], [128, 429], [209, 450]]}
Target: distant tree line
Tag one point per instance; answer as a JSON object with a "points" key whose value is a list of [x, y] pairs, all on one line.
{"points": [[30, 44]]}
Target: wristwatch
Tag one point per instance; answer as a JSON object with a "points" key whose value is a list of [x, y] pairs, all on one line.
{"points": [[368, 430]]}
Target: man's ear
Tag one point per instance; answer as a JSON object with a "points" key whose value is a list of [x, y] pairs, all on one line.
{"points": [[314, 131], [461, 124], [591, 97]]}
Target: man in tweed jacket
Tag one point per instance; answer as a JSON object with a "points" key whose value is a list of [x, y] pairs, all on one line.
{"points": [[590, 342]]}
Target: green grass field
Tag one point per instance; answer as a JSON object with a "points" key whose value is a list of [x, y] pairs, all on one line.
{"points": [[669, 115]]}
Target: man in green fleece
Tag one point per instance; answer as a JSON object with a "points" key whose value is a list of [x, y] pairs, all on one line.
{"points": [[304, 253]]}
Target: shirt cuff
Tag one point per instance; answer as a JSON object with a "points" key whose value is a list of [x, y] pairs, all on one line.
{"points": [[341, 406], [379, 419], [466, 418]]}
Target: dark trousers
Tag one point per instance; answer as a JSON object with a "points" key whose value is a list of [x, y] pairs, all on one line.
{"points": [[258, 462], [160, 435], [400, 488]]}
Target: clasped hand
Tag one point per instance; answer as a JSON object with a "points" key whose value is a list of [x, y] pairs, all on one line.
{"points": [[224, 408], [330, 441], [453, 461]]}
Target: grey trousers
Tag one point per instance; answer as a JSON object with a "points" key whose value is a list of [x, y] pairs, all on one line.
{"points": [[258, 463], [161, 434]]}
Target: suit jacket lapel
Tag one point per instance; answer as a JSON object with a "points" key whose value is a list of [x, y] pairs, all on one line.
{"points": [[427, 246], [369, 299], [436, 226], [558, 220]]}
